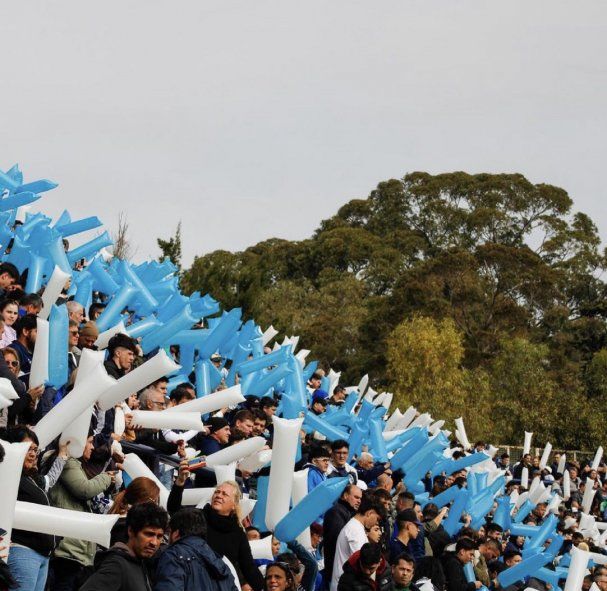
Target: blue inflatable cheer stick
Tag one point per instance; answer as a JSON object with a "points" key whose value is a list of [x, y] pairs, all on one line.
{"points": [[502, 513], [91, 247], [522, 529], [164, 335], [310, 508], [452, 524], [543, 532], [148, 301], [102, 280], [275, 358], [38, 186], [143, 327], [260, 386], [83, 225], [415, 444], [317, 424], [18, 200], [258, 517], [203, 379], [35, 273], [523, 569], [229, 323], [378, 445], [446, 496], [58, 346], [111, 315], [550, 576]]}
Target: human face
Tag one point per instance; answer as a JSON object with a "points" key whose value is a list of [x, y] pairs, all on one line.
{"points": [[145, 542], [354, 497], [269, 410], [402, 573], [514, 560], [495, 535], [315, 539], [77, 315], [253, 535], [6, 280], [318, 408], [10, 314], [259, 426], [86, 341], [30, 338], [73, 336], [276, 579], [12, 362], [222, 435], [31, 457], [245, 426], [275, 546], [157, 401], [223, 500], [88, 449], [489, 553], [601, 582], [374, 534], [371, 518], [340, 457], [465, 556], [315, 383], [413, 530], [133, 402], [321, 463], [124, 358], [369, 570], [162, 387]]}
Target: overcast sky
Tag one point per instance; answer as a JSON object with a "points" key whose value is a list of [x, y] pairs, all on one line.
{"points": [[252, 119]]}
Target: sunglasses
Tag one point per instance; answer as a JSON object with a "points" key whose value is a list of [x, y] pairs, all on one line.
{"points": [[12, 363]]}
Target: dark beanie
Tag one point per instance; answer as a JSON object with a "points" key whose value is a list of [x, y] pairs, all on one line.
{"points": [[216, 423]]}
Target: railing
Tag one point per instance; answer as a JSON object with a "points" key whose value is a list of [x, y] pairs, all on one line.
{"points": [[516, 452]]}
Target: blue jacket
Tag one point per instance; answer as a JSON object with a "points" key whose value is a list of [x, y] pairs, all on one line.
{"points": [[189, 565], [315, 476]]}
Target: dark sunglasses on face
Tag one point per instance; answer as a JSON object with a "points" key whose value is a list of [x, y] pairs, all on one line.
{"points": [[12, 363]]}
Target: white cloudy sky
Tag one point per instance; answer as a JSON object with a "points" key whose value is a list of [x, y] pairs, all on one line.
{"points": [[252, 119]]}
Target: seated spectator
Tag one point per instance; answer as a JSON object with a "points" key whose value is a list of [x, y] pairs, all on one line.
{"points": [[366, 569], [189, 563], [124, 566]]}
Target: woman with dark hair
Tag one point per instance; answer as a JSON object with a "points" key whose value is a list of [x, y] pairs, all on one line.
{"points": [[9, 312], [429, 575], [74, 491], [30, 552], [279, 577]]}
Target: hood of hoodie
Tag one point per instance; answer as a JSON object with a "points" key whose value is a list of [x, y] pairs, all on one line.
{"points": [[118, 548], [220, 523], [212, 561]]}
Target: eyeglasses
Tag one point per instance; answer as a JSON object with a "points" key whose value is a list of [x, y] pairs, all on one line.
{"points": [[33, 450]]}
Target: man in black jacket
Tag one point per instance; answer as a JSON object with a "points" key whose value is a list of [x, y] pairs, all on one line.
{"points": [[122, 567], [334, 521], [189, 563], [453, 565]]}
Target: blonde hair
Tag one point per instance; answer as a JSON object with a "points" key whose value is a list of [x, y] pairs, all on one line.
{"points": [[237, 498]]}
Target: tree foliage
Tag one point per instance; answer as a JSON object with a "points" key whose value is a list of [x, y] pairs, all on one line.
{"points": [[171, 248], [508, 264]]}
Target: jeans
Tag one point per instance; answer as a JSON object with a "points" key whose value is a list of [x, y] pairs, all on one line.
{"points": [[29, 568]]}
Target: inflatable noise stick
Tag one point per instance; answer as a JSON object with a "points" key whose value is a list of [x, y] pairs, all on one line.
{"points": [[235, 452], [103, 340], [156, 367], [210, 402], [81, 398], [597, 459], [268, 335], [545, 455], [527, 443], [225, 472], [523, 569], [134, 467], [577, 569], [256, 461], [300, 491], [65, 523], [262, 549], [52, 291], [313, 505], [286, 437], [39, 369], [10, 476], [152, 419], [197, 496]]}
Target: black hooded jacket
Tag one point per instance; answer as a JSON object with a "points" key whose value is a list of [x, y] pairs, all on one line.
{"points": [[118, 569]]}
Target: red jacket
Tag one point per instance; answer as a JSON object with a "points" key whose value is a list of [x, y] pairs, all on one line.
{"points": [[353, 579]]}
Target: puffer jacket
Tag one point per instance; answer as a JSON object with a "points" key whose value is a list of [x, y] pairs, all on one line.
{"points": [[353, 579], [189, 565], [118, 569], [74, 491]]}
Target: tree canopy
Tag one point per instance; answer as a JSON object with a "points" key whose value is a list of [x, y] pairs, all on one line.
{"points": [[496, 276]]}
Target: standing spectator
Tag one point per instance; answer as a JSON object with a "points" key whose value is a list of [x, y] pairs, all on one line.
{"points": [[189, 563], [403, 569], [9, 313], [9, 276], [317, 467], [74, 491], [453, 565], [335, 520], [30, 552], [354, 535], [366, 570], [408, 529], [123, 567], [339, 462], [227, 537]]}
